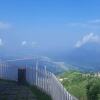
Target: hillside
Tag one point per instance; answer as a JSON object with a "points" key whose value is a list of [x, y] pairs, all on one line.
{"points": [[52, 66], [75, 82]]}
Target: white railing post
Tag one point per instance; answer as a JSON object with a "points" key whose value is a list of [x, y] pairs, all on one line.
{"points": [[42, 78]]}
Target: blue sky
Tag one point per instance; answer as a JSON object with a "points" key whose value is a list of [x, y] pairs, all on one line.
{"points": [[39, 26]]}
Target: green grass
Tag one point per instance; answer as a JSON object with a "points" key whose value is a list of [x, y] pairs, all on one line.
{"points": [[76, 83]]}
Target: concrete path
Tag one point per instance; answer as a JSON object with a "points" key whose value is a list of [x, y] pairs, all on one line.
{"points": [[13, 91]]}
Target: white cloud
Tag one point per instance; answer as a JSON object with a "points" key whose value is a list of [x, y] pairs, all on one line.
{"points": [[24, 43], [92, 24], [5, 25], [86, 39], [1, 42], [77, 24], [34, 44], [29, 44], [95, 21]]}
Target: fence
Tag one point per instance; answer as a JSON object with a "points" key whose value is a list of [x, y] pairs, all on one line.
{"points": [[44, 80]]}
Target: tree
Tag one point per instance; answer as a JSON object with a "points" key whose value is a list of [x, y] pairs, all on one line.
{"points": [[93, 89]]}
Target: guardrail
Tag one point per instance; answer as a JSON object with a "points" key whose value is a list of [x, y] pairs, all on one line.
{"points": [[44, 80]]}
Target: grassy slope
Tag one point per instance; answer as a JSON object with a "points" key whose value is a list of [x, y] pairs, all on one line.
{"points": [[76, 83]]}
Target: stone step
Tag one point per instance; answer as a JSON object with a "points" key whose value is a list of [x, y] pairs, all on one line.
{"points": [[13, 91]]}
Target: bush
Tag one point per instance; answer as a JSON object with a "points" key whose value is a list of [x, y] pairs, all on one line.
{"points": [[93, 89]]}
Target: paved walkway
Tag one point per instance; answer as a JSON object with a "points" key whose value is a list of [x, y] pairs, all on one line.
{"points": [[13, 91]]}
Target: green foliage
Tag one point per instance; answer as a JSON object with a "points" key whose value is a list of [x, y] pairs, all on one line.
{"points": [[76, 83], [93, 89]]}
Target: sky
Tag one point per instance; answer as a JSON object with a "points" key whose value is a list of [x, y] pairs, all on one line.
{"points": [[47, 26]]}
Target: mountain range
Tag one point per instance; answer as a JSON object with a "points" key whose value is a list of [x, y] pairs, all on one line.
{"points": [[85, 58]]}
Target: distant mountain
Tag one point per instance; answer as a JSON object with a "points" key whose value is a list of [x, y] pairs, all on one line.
{"points": [[85, 58], [52, 66]]}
